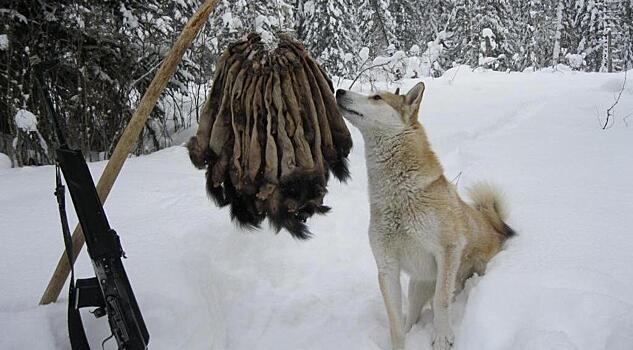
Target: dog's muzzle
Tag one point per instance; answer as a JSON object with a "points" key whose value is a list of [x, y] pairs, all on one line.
{"points": [[342, 100]]}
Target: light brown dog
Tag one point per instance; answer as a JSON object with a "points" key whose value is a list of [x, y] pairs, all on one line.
{"points": [[419, 224]]}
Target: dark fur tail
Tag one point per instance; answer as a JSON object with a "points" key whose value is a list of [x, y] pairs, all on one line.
{"points": [[243, 210], [294, 223], [489, 202], [297, 228], [291, 203], [340, 169]]}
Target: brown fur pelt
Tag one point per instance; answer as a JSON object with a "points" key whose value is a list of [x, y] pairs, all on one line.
{"points": [[269, 134]]}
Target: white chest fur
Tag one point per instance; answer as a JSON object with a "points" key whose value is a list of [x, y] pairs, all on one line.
{"points": [[403, 230]]}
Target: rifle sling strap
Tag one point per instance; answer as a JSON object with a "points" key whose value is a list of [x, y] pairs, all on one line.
{"points": [[78, 340]]}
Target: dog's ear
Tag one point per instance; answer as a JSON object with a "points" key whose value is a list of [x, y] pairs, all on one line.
{"points": [[397, 91], [414, 96], [412, 101]]}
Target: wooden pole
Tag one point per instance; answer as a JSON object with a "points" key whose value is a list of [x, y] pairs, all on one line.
{"points": [[129, 137]]}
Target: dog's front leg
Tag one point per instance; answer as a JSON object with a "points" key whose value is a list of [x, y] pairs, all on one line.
{"points": [[419, 293], [447, 267], [389, 280]]}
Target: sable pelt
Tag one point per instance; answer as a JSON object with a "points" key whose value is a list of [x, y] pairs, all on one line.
{"points": [[270, 134]]}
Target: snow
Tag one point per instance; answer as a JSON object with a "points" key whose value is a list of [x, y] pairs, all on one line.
{"points": [[364, 54], [25, 120], [232, 23], [485, 61], [5, 161], [308, 8], [575, 60], [129, 19], [488, 39], [400, 65], [348, 57], [564, 283], [4, 42]]}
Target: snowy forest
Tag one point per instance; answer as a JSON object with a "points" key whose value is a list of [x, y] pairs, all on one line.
{"points": [[462, 170], [101, 55]]}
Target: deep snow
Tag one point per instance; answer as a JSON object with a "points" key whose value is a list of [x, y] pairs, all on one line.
{"points": [[5, 161], [566, 282]]}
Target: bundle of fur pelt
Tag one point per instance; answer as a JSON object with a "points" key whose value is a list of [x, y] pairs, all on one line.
{"points": [[269, 133]]}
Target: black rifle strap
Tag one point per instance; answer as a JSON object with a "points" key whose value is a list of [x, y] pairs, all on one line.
{"points": [[78, 340], [76, 333]]}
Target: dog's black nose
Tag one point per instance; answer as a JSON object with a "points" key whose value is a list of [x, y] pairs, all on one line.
{"points": [[340, 92]]}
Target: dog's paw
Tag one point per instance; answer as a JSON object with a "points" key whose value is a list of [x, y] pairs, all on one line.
{"points": [[443, 341]]}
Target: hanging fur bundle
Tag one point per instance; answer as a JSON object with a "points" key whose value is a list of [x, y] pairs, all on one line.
{"points": [[269, 134]]}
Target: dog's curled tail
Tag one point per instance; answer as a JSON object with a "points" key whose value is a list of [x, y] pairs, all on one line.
{"points": [[488, 200]]}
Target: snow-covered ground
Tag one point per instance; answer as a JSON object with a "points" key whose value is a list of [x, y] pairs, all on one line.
{"points": [[566, 282], [5, 161]]}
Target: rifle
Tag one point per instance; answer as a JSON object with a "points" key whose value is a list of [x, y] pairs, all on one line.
{"points": [[110, 290]]}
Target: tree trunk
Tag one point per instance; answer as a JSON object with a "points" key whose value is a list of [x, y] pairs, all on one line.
{"points": [[609, 52], [557, 36]]}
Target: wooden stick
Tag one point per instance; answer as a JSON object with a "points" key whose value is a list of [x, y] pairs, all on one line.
{"points": [[129, 137]]}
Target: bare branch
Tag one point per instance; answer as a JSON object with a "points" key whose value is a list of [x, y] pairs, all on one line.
{"points": [[366, 69], [617, 100], [149, 71], [450, 82]]}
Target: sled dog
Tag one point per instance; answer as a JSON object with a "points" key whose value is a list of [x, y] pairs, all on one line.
{"points": [[419, 224]]}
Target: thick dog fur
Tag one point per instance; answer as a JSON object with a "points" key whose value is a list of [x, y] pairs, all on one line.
{"points": [[419, 224]]}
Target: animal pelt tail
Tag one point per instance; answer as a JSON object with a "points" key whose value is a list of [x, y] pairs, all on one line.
{"points": [[488, 200]]}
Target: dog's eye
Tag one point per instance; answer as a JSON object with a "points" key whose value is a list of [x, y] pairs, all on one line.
{"points": [[376, 97]]}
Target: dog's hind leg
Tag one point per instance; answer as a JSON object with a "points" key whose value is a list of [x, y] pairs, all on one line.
{"points": [[389, 281], [419, 293], [447, 267]]}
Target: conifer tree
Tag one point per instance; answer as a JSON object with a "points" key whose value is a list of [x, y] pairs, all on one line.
{"points": [[407, 22], [531, 27], [627, 34], [329, 30]]}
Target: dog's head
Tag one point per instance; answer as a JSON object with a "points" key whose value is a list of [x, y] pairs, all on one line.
{"points": [[381, 111]]}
